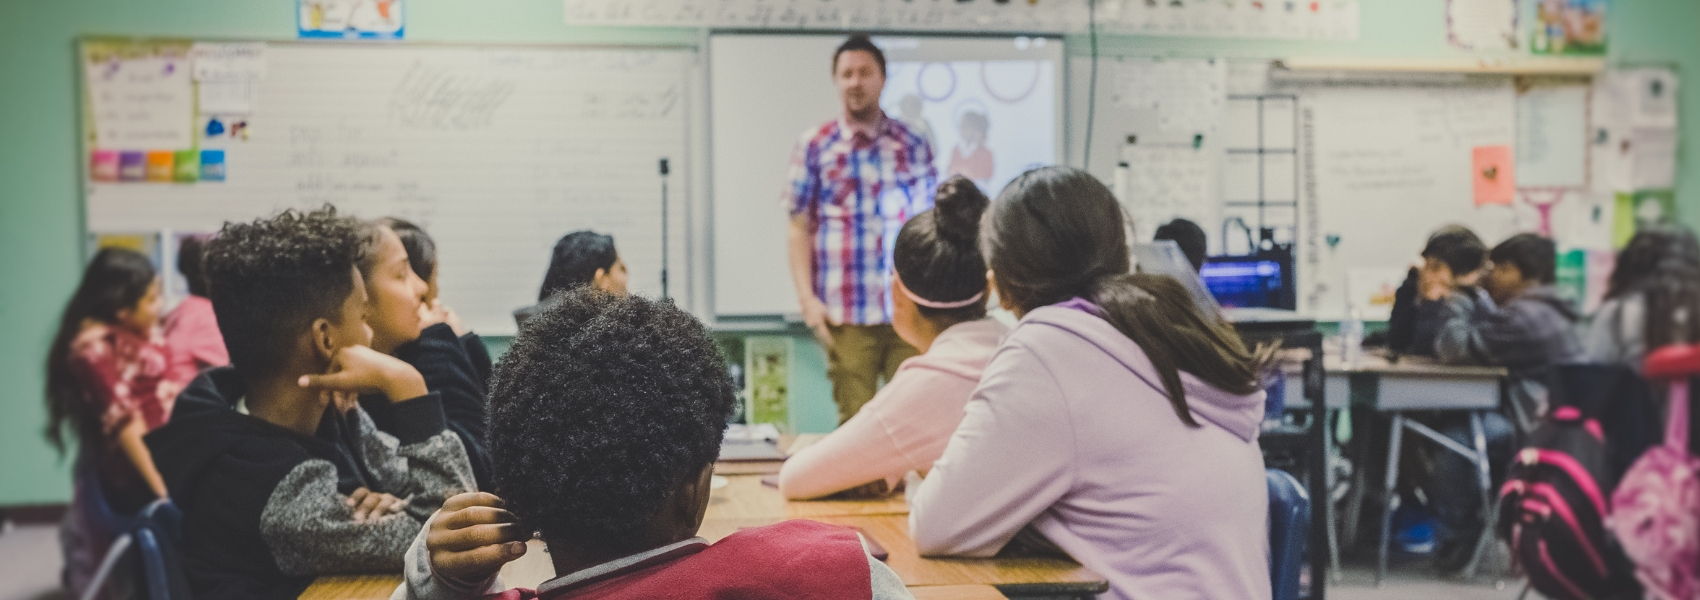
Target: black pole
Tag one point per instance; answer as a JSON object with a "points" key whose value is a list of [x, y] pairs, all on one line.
{"points": [[664, 252]]}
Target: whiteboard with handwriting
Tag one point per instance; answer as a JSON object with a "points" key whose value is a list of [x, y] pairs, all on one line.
{"points": [[496, 151]]}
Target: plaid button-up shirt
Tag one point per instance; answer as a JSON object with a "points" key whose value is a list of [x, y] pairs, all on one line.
{"points": [[858, 188]]}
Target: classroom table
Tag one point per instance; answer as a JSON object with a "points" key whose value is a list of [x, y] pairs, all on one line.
{"points": [[1012, 576], [746, 502], [1418, 384]]}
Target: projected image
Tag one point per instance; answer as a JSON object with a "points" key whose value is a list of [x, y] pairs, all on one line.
{"points": [[988, 119]]}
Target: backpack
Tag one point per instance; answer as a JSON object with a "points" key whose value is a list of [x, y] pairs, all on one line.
{"points": [[1552, 510], [1656, 512]]}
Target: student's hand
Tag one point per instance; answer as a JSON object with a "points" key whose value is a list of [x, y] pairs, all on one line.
{"points": [[372, 506], [434, 312], [359, 370], [472, 536], [1435, 281], [814, 315]]}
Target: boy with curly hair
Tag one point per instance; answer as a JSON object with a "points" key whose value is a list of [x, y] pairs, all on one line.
{"points": [[606, 416], [270, 497]]}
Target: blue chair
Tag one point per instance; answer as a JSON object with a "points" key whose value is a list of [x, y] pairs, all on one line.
{"points": [[1289, 523]]}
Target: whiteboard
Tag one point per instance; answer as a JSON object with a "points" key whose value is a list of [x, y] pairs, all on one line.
{"points": [[766, 90], [497, 151], [1385, 165]]}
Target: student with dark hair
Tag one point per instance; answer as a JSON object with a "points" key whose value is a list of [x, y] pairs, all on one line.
{"points": [[852, 183], [1527, 326], [271, 495], [1117, 421], [606, 417], [939, 306], [410, 325], [1657, 278], [107, 384], [191, 330], [1453, 259], [580, 258], [1189, 236]]}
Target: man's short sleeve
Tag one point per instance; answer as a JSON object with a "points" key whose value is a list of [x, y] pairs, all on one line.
{"points": [[802, 181]]}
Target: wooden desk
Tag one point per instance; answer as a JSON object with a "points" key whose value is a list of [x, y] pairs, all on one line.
{"points": [[957, 592], [379, 587], [746, 497], [1013, 576]]}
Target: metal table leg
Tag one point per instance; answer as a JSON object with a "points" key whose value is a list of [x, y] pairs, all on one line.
{"points": [[1391, 503]]}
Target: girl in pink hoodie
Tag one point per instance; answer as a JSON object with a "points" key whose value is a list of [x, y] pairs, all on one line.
{"points": [[939, 307], [1117, 420]]}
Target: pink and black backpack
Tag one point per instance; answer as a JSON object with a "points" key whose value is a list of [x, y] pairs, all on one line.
{"points": [[1655, 512]]}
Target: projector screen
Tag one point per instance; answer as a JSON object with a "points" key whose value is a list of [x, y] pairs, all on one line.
{"points": [[990, 107]]}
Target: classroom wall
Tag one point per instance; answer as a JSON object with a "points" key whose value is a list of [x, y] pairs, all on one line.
{"points": [[40, 210]]}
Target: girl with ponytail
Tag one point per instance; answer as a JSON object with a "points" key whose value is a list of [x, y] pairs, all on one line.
{"points": [[1117, 420], [939, 294]]}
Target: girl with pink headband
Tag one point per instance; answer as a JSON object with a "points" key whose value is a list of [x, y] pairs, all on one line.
{"points": [[939, 306]]}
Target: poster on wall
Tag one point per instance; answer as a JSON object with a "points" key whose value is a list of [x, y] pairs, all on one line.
{"points": [[351, 19], [1576, 27], [1482, 24]]}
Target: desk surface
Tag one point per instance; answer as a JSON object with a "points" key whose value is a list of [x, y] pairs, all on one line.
{"points": [[746, 502], [1025, 575], [1415, 366]]}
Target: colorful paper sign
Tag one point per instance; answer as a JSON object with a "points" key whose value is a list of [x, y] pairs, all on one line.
{"points": [[1494, 174], [186, 166], [212, 165], [132, 166], [103, 165], [159, 165]]}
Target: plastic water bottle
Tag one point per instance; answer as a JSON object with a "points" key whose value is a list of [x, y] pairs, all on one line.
{"points": [[1352, 336]]}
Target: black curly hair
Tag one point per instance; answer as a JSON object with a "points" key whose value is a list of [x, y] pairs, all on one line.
{"points": [[269, 279], [603, 408]]}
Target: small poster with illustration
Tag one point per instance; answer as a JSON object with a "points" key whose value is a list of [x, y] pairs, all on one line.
{"points": [[351, 19], [1569, 27], [767, 365]]}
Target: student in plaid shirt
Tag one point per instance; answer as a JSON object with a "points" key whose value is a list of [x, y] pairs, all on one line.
{"points": [[852, 184]]}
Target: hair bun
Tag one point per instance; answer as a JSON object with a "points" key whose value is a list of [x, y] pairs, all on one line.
{"points": [[958, 206]]}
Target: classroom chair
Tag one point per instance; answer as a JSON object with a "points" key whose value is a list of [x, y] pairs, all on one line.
{"points": [[143, 562], [1289, 522]]}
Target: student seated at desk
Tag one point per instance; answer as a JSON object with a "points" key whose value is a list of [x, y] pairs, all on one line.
{"points": [[1453, 260], [579, 258], [606, 416], [1526, 326], [1116, 420], [422, 258], [268, 503], [938, 306], [191, 330], [409, 323], [1656, 274]]}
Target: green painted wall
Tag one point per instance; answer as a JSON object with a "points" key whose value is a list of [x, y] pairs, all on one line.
{"points": [[41, 219]]}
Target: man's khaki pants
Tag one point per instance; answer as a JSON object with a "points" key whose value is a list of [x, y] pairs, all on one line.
{"points": [[859, 357]]}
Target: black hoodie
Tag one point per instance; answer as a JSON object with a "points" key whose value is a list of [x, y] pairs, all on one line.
{"points": [[454, 373], [263, 506]]}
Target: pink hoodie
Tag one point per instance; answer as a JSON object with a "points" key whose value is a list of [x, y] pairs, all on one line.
{"points": [[1070, 432], [905, 427]]}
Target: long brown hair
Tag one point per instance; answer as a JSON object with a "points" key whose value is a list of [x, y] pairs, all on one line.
{"points": [[114, 280], [1057, 233]]}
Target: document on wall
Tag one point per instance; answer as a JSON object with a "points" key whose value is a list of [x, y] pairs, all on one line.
{"points": [[227, 76], [140, 98]]}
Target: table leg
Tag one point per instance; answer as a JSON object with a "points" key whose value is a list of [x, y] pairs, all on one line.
{"points": [[1484, 481], [1390, 501]]}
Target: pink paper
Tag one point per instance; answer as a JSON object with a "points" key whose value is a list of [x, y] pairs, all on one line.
{"points": [[1492, 170]]}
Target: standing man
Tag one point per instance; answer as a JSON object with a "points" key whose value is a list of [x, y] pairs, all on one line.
{"points": [[852, 184]]}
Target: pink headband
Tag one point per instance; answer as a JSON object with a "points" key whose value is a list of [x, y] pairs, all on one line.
{"points": [[932, 304]]}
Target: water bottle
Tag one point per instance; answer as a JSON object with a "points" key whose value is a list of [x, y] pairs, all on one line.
{"points": [[1352, 336]]}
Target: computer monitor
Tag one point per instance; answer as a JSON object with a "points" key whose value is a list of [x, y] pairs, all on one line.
{"points": [[1258, 281]]}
